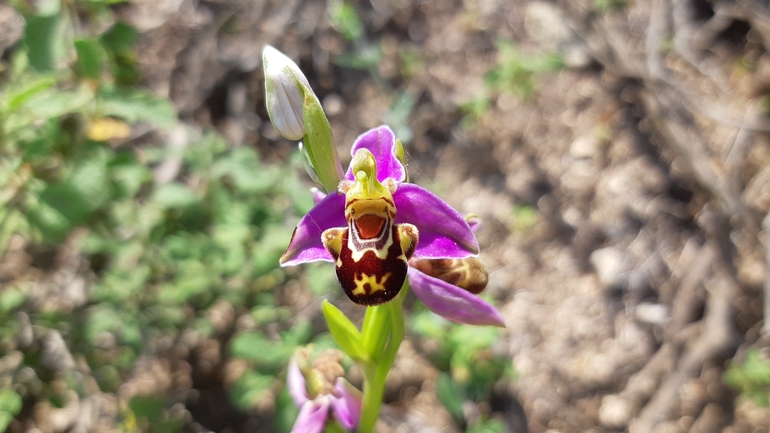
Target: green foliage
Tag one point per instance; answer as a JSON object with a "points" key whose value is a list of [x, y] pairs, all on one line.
{"points": [[345, 20], [487, 426], [464, 354], [250, 389], [452, 396], [286, 412], [524, 217], [752, 377], [515, 73], [367, 55], [398, 115], [149, 414], [10, 405], [604, 6], [160, 255]]}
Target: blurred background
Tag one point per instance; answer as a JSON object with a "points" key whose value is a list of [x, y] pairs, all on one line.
{"points": [[617, 152]]}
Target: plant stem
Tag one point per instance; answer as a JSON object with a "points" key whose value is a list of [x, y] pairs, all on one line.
{"points": [[376, 330]]}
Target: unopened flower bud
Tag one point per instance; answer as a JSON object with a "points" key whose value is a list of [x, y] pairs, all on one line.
{"points": [[285, 88]]}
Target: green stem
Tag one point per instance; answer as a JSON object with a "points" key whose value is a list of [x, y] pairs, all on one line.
{"points": [[373, 392], [376, 328], [396, 335]]}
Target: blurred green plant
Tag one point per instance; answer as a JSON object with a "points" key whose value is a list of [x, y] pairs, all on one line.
{"points": [[10, 405], [487, 426], [751, 377], [367, 55], [147, 413], [469, 367], [80, 165], [524, 218], [515, 73], [604, 6]]}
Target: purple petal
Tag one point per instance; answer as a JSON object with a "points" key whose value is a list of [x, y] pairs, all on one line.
{"points": [[444, 234], [305, 245], [452, 302], [312, 416], [296, 383], [347, 405], [382, 143]]}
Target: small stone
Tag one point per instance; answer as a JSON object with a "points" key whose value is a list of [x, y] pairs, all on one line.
{"points": [[652, 314], [609, 263], [615, 412], [333, 104], [584, 146], [56, 356]]}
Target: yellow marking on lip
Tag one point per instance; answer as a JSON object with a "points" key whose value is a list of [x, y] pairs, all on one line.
{"points": [[374, 284]]}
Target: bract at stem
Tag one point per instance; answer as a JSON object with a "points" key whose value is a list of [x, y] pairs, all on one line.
{"points": [[320, 144]]}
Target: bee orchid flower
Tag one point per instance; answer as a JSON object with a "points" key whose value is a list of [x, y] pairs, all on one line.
{"points": [[324, 396], [380, 230]]}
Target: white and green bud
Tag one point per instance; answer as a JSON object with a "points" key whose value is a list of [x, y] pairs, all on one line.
{"points": [[285, 87], [297, 115]]}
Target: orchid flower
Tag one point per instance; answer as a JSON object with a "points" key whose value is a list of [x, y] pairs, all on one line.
{"points": [[379, 230], [325, 396]]}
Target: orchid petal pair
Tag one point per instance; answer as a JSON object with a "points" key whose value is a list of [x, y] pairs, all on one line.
{"points": [[377, 218], [342, 403]]}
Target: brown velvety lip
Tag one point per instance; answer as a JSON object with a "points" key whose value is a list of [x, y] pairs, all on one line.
{"points": [[369, 226]]}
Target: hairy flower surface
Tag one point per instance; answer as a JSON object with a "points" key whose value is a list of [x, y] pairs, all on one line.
{"points": [[376, 224]]}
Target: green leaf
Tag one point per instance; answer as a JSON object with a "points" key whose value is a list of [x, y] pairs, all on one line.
{"points": [[10, 298], [51, 223], [120, 39], [269, 248], [243, 168], [451, 395], [192, 279], [299, 334], [5, 420], [10, 401], [346, 334], [135, 105], [345, 19], [473, 338], [18, 96], [40, 38], [174, 195], [366, 58], [52, 104], [90, 57], [85, 190], [428, 324], [100, 320], [320, 278], [487, 426], [147, 406], [285, 412], [256, 347], [250, 388], [129, 178]]}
